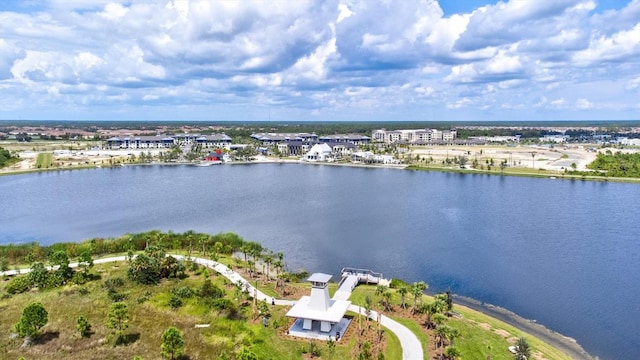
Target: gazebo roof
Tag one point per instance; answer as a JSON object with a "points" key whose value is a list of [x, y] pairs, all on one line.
{"points": [[333, 314], [319, 277]]}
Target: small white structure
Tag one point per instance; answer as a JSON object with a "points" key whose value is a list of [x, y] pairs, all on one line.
{"points": [[319, 152], [319, 313]]}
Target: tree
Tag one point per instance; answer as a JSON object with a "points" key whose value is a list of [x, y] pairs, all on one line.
{"points": [[172, 343], [33, 318], [417, 290], [38, 275], [452, 352], [60, 260], [118, 320], [523, 350], [145, 269], [403, 293], [83, 326], [85, 261]]}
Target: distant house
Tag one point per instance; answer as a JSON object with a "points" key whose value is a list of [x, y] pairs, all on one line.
{"points": [[319, 152], [216, 155]]}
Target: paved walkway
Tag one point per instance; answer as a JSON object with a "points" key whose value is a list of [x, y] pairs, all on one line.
{"points": [[411, 347]]}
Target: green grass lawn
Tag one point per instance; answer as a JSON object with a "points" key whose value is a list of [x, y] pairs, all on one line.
{"points": [[44, 161]]}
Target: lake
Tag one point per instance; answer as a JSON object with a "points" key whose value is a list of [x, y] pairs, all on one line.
{"points": [[565, 253]]}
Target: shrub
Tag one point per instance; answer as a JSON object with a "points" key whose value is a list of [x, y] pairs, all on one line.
{"points": [[33, 318], [83, 326], [116, 296], [19, 284], [184, 292], [175, 302], [113, 283], [208, 289]]}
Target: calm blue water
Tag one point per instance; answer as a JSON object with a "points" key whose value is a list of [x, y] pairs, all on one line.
{"points": [[566, 253]]}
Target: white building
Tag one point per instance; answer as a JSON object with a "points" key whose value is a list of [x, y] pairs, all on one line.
{"points": [[413, 136], [319, 152], [318, 313]]}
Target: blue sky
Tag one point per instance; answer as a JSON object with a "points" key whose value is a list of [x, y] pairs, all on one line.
{"points": [[359, 60]]}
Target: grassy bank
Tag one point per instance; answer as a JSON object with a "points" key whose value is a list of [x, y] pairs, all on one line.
{"points": [[522, 172]]}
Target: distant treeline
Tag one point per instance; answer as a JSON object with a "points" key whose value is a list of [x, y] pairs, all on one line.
{"points": [[618, 164], [243, 129], [223, 243]]}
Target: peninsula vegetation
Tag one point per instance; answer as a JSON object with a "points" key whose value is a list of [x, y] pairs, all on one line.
{"points": [[149, 305]]}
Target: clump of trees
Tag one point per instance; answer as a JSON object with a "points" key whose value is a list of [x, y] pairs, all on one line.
{"points": [[617, 165], [58, 273], [7, 158], [153, 265]]}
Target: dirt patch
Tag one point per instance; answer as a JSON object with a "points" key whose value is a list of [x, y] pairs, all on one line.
{"points": [[503, 333], [484, 326]]}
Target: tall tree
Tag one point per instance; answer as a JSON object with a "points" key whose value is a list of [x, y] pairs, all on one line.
{"points": [[402, 290], [33, 318], [172, 343], [417, 290]]}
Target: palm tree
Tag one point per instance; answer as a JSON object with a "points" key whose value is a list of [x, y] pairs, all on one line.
{"points": [[523, 350], [452, 352], [417, 289], [268, 259], [441, 333], [403, 292]]}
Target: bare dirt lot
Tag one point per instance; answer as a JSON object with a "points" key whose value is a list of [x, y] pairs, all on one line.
{"points": [[556, 158]]}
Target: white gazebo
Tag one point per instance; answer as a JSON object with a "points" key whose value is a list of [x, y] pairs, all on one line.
{"points": [[317, 315]]}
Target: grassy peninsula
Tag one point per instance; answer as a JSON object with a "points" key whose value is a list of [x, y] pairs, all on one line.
{"points": [[150, 294]]}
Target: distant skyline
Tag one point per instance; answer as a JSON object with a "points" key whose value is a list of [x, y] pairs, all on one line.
{"points": [[334, 60]]}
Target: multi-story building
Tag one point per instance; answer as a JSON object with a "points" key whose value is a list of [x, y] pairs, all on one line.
{"points": [[354, 139], [168, 141], [417, 136], [275, 138]]}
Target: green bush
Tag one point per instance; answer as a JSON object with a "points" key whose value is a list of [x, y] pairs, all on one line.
{"points": [[19, 284], [175, 302], [183, 292], [113, 283]]}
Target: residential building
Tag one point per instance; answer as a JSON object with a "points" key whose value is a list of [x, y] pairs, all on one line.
{"points": [[414, 136], [275, 138], [355, 139], [319, 152]]}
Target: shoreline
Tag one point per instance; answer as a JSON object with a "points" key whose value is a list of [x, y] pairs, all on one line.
{"points": [[563, 343], [5, 172]]}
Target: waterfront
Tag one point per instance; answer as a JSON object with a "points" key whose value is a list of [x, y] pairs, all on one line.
{"points": [[562, 252]]}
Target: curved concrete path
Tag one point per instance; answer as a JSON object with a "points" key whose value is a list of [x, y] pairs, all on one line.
{"points": [[411, 347]]}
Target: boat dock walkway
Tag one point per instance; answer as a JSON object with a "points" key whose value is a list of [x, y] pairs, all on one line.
{"points": [[351, 277]]}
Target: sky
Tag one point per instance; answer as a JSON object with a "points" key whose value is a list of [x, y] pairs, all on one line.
{"points": [[331, 60]]}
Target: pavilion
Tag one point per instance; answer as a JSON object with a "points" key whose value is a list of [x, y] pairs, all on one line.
{"points": [[318, 316]]}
